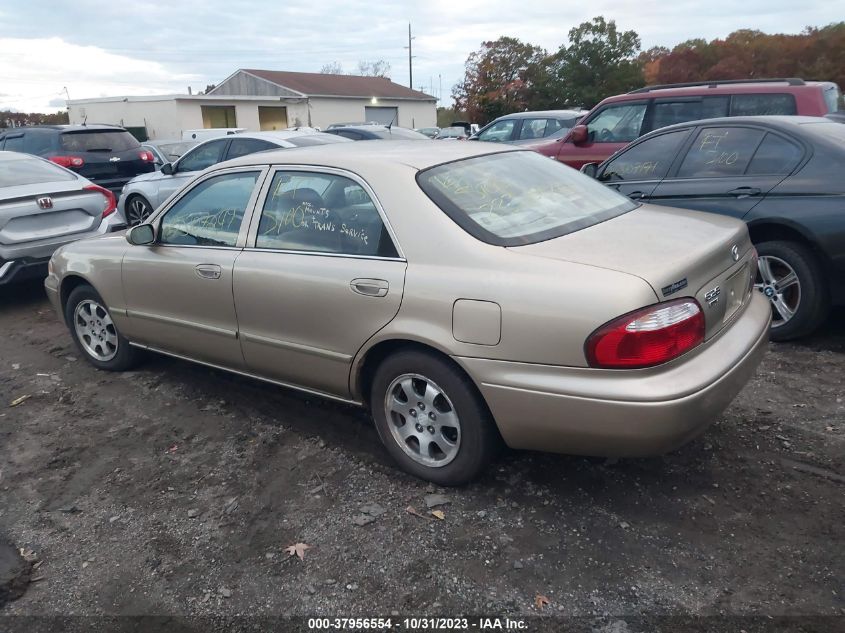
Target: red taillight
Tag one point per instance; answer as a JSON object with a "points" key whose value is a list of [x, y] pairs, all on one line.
{"points": [[110, 202], [146, 156], [647, 337], [68, 161]]}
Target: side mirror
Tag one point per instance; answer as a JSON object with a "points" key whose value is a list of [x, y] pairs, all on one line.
{"points": [[590, 169], [579, 134], [167, 169], [141, 235]]}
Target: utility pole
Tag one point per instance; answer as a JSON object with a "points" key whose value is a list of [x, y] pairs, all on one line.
{"points": [[410, 57]]}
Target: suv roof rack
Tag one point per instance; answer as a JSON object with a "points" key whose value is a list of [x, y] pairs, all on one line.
{"points": [[792, 81]]}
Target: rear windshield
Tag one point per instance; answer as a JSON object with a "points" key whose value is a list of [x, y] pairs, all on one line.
{"points": [[832, 97], [31, 171], [98, 141], [516, 198]]}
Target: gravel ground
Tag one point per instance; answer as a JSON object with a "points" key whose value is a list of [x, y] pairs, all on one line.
{"points": [[176, 489]]}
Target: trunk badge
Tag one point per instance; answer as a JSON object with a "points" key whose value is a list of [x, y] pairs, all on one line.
{"points": [[735, 252], [45, 203], [114, 159], [712, 296]]}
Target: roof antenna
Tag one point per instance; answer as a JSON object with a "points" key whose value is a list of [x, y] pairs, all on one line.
{"points": [[393, 120], [85, 120]]}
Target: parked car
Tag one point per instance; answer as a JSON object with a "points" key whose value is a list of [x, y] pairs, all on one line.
{"points": [[454, 133], [104, 154], [782, 175], [351, 124], [42, 207], [430, 132], [618, 120], [145, 193], [377, 132], [526, 127], [167, 151], [465, 292], [210, 133]]}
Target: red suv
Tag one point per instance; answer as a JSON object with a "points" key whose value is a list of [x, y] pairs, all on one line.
{"points": [[618, 120]]}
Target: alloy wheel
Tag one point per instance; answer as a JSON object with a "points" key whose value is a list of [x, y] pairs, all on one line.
{"points": [[95, 330], [422, 420], [778, 282], [138, 211]]}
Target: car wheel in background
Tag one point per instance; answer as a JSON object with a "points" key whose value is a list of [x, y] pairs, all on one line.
{"points": [[137, 210], [94, 332], [431, 418], [789, 275]]}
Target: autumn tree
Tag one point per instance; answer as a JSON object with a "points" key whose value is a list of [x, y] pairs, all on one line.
{"points": [[599, 61], [500, 78]]}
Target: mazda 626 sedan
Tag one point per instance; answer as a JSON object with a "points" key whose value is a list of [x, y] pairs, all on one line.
{"points": [[466, 293]]}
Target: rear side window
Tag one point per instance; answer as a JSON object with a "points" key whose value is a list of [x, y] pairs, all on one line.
{"points": [[31, 171], [98, 141], [763, 104], [13, 144], [775, 156], [648, 160], [666, 113], [516, 198], [244, 146], [718, 152], [534, 128]]}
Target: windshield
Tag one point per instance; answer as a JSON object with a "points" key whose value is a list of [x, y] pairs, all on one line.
{"points": [[516, 198], [832, 97], [31, 171], [98, 141]]}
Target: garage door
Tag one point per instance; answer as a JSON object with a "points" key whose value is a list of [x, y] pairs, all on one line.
{"points": [[385, 116]]}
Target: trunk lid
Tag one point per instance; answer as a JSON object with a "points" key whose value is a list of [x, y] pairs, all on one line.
{"points": [[70, 210], [678, 253]]}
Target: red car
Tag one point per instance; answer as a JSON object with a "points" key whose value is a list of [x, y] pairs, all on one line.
{"points": [[618, 120]]}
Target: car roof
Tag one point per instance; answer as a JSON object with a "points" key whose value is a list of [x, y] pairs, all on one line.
{"points": [[68, 128], [718, 88], [783, 122], [536, 113], [351, 156]]}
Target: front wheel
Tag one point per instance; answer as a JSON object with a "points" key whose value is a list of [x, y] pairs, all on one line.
{"points": [[789, 275], [431, 418], [94, 332], [138, 209]]}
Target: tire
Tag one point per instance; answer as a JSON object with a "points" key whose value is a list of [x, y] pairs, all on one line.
{"points": [[806, 297], [457, 428], [95, 334], [138, 209]]}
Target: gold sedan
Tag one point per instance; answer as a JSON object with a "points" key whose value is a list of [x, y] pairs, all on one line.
{"points": [[468, 294]]}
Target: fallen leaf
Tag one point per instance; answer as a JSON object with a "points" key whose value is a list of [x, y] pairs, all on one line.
{"points": [[439, 514], [20, 400], [541, 601], [413, 510], [172, 449], [298, 549]]}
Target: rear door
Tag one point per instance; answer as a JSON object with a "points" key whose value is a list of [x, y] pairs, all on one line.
{"points": [[728, 169], [608, 130], [320, 276]]}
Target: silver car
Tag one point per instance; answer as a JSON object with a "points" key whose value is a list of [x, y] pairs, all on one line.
{"points": [[142, 195], [42, 207]]}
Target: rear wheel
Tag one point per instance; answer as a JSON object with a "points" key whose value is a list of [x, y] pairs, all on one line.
{"points": [[789, 275], [138, 209], [94, 332], [431, 418]]}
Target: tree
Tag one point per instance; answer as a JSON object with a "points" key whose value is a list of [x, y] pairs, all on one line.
{"points": [[334, 68], [599, 61], [378, 68], [499, 79]]}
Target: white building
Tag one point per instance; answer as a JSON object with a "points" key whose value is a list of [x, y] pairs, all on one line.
{"points": [[265, 100]]}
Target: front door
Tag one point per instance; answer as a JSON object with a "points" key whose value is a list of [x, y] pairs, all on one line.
{"points": [[178, 291], [199, 158], [608, 131], [321, 275]]}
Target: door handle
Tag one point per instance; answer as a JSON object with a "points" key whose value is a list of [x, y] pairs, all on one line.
{"points": [[744, 192], [208, 271], [370, 287], [637, 195]]}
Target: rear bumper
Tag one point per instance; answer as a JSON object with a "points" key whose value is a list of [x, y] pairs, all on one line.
{"points": [[22, 269], [623, 413]]}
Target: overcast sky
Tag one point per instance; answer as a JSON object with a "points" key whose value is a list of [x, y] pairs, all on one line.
{"points": [[111, 48]]}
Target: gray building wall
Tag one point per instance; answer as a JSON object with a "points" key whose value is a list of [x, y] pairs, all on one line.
{"points": [[242, 83]]}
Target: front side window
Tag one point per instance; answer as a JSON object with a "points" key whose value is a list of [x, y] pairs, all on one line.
{"points": [[720, 152], [322, 213], [498, 132], [617, 123], [762, 104], [13, 143], [516, 198], [648, 160], [203, 156], [211, 213]]}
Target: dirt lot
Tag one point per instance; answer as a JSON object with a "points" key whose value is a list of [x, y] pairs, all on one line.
{"points": [[174, 489]]}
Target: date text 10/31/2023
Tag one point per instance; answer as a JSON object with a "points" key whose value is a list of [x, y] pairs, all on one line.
{"points": [[419, 624]]}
